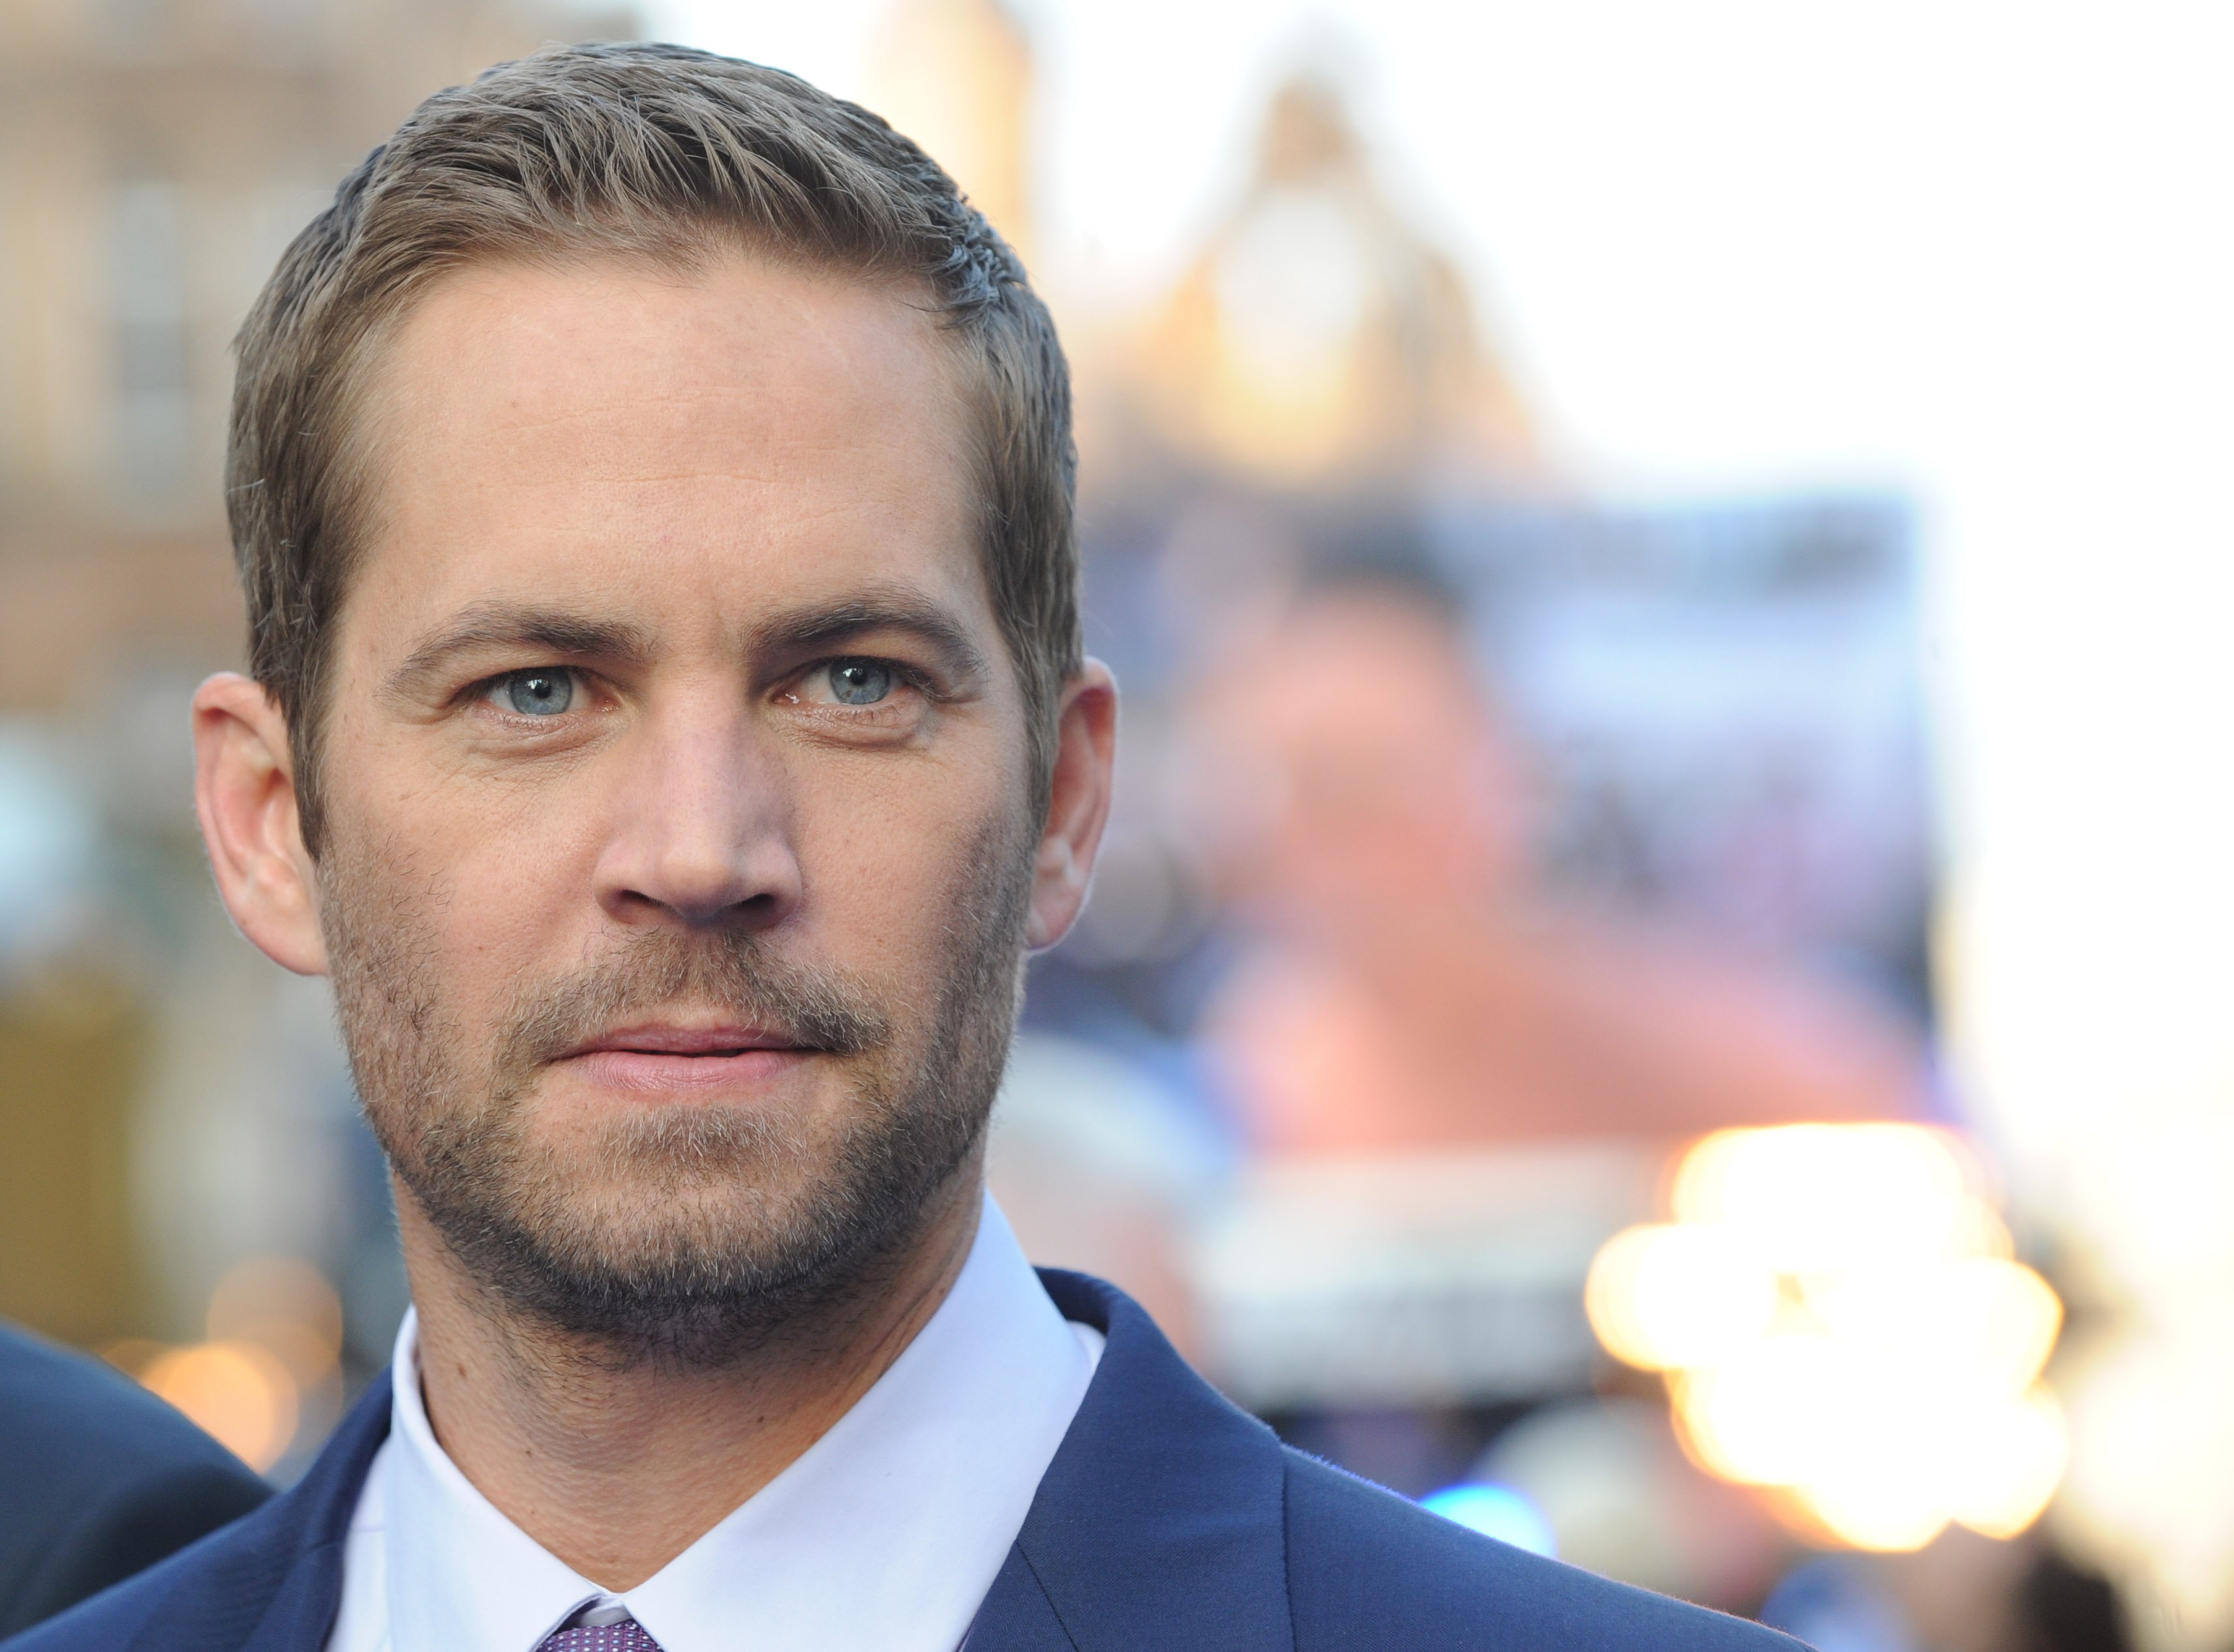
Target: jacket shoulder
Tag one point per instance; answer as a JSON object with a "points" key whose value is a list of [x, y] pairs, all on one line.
{"points": [[72, 1418], [98, 1479], [1367, 1569], [124, 1531], [211, 1594], [276, 1572]]}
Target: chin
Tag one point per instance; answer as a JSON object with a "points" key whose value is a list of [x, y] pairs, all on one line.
{"points": [[714, 1117]]}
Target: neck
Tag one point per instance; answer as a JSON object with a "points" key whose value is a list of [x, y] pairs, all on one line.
{"points": [[617, 1470]]}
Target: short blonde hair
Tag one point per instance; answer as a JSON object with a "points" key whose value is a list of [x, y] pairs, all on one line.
{"points": [[646, 150]]}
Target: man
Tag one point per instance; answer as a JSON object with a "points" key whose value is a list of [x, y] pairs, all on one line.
{"points": [[652, 486], [1411, 986], [98, 1479]]}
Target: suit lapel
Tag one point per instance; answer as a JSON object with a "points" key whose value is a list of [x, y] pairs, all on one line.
{"points": [[1160, 1522], [1016, 1616], [301, 1615], [279, 1583]]}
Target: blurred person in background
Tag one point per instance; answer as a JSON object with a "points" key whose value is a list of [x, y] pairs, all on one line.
{"points": [[671, 750], [1367, 811], [98, 1479]]}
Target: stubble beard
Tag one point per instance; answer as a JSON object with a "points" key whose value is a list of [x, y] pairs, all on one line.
{"points": [[687, 1234]]}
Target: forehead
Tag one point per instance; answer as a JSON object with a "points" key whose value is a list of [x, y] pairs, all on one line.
{"points": [[699, 440]]}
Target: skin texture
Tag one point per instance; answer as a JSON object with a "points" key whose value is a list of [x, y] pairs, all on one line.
{"points": [[642, 975]]}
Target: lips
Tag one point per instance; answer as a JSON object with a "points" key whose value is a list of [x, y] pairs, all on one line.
{"points": [[659, 1061], [657, 1040]]}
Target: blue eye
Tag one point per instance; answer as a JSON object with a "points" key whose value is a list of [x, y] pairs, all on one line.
{"points": [[539, 694], [859, 682]]}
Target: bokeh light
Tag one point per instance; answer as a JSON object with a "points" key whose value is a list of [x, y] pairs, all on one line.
{"points": [[1840, 1320], [270, 1372], [1667, 1295], [2011, 1459], [1811, 1196], [1498, 1511], [238, 1391], [286, 1306]]}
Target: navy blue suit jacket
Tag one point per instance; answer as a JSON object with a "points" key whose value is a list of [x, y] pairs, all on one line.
{"points": [[1168, 1522], [98, 1479]]}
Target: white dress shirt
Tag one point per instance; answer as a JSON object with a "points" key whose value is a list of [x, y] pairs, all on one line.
{"points": [[886, 1533]]}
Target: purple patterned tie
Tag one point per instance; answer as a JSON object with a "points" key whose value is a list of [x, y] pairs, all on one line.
{"points": [[618, 1633]]}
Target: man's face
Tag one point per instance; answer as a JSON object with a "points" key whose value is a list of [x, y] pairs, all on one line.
{"points": [[1350, 775], [677, 846]]}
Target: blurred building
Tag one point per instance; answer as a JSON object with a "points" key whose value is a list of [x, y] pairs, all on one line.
{"points": [[155, 155], [169, 1106], [1320, 341], [956, 76]]}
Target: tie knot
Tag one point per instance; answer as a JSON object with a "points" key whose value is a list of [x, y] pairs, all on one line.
{"points": [[622, 1634]]}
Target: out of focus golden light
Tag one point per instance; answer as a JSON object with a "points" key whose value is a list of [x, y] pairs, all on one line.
{"points": [[1669, 1295], [1877, 1504], [238, 1391], [1811, 1197], [1975, 1323], [1840, 1319], [1757, 1416], [271, 1364], [284, 1306], [2012, 1459]]}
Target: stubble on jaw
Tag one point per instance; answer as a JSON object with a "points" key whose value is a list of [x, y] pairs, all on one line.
{"points": [[690, 1234]]}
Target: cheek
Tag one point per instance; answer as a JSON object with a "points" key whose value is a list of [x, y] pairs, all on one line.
{"points": [[486, 879], [883, 864]]}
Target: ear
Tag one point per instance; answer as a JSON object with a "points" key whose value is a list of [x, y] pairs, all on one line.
{"points": [[244, 793], [1078, 805]]}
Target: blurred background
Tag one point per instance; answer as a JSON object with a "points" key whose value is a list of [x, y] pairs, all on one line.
{"points": [[1660, 980]]}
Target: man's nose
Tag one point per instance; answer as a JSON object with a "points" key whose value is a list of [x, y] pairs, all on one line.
{"points": [[701, 834]]}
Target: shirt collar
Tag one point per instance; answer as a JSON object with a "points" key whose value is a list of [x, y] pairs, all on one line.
{"points": [[887, 1531]]}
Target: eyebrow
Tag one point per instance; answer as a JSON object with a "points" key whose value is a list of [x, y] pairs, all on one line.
{"points": [[808, 630], [512, 625]]}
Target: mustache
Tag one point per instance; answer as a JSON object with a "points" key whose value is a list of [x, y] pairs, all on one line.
{"points": [[655, 971]]}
